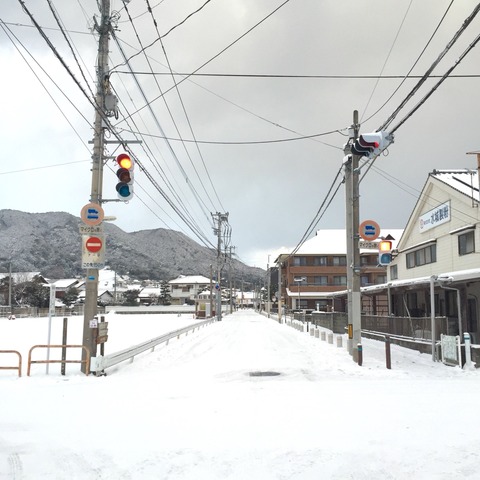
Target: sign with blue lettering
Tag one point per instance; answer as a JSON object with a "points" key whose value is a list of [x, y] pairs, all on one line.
{"points": [[369, 230], [92, 214]]}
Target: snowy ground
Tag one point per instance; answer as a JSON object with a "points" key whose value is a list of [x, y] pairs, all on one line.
{"points": [[191, 410]]}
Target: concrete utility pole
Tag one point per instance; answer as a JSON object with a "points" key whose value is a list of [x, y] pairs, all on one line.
{"points": [[91, 290], [351, 164], [220, 218]]}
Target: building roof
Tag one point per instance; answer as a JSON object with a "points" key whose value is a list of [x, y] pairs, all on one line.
{"points": [[463, 180], [333, 241], [190, 279]]}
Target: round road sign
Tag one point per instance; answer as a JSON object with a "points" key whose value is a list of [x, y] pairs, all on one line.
{"points": [[93, 244], [92, 214], [369, 230]]}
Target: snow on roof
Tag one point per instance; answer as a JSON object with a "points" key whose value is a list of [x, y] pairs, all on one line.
{"points": [[463, 180], [184, 279], [65, 282], [333, 241]]}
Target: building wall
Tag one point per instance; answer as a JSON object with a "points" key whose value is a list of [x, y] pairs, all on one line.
{"points": [[462, 214]]}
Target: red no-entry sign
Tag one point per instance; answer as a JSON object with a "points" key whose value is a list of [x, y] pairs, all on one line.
{"points": [[93, 244]]}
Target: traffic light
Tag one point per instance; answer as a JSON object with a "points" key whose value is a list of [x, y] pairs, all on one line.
{"points": [[371, 144], [384, 252], [125, 176]]}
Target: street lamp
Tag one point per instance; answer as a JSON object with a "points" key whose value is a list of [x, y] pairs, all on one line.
{"points": [[299, 280]]}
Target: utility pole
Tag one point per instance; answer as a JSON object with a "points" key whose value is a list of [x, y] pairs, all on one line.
{"points": [[91, 290], [351, 163], [220, 218]]}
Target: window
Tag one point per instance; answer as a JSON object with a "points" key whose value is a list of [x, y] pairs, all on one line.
{"points": [[299, 261], [466, 243], [380, 279], [393, 272], [339, 261], [319, 261], [321, 280], [364, 280], [422, 256], [340, 280]]}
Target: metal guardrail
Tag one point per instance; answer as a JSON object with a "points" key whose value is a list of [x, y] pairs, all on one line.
{"points": [[83, 347], [99, 364], [19, 367]]}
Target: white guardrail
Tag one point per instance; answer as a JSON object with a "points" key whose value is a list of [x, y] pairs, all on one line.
{"points": [[100, 363]]}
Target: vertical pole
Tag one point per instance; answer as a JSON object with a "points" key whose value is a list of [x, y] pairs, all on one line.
{"points": [[230, 281], [64, 348], [388, 355], [268, 287], [10, 287], [279, 300], [91, 290], [211, 291], [51, 312], [219, 258], [432, 312], [352, 239]]}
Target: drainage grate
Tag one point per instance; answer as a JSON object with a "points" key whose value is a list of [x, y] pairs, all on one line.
{"points": [[263, 374]]}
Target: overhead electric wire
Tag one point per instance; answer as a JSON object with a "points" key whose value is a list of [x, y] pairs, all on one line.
{"points": [[318, 216], [407, 76], [61, 27], [187, 119], [221, 51], [275, 124], [98, 109], [252, 142], [386, 60], [165, 177], [426, 75], [198, 198], [10, 34], [298, 76], [55, 52]]}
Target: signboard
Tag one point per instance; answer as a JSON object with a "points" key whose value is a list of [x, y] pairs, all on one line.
{"points": [[102, 332], [92, 230], [93, 244], [435, 217], [450, 349], [92, 214], [93, 251], [368, 245], [369, 230]]}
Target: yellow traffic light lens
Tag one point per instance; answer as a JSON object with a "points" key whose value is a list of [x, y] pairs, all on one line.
{"points": [[124, 161], [385, 246]]}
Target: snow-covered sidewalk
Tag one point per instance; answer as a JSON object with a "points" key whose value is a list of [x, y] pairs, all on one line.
{"points": [[195, 409]]}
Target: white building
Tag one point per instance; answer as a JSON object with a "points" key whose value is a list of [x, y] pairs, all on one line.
{"points": [[185, 289], [439, 253]]}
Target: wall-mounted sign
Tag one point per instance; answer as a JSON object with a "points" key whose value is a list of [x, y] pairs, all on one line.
{"points": [[435, 217]]}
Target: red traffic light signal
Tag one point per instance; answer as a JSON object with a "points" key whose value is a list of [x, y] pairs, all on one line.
{"points": [[371, 144], [125, 176]]}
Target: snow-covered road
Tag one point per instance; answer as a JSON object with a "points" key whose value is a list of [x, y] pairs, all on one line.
{"points": [[193, 410]]}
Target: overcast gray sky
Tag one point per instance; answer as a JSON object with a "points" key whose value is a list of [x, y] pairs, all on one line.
{"points": [[271, 190]]}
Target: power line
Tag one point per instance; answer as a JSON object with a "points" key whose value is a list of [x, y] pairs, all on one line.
{"points": [[221, 51], [251, 142]]}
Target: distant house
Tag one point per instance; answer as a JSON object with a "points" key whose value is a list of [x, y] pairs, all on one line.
{"points": [[18, 278], [61, 286], [185, 289]]}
